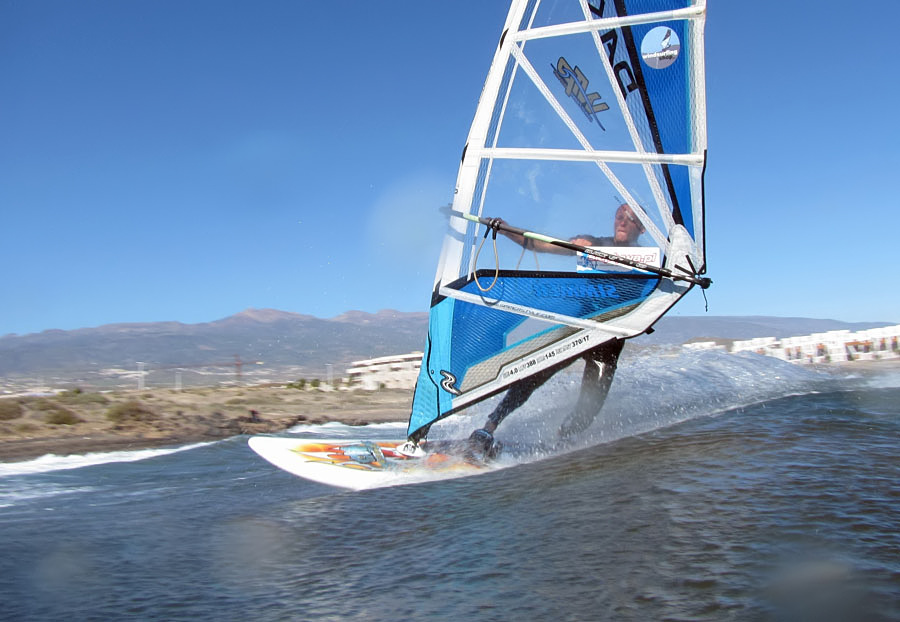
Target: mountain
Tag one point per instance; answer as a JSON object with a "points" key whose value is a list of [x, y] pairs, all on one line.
{"points": [[292, 345], [278, 339]]}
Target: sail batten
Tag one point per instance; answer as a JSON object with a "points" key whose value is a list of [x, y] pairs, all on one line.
{"points": [[589, 155], [547, 316], [693, 13], [590, 129]]}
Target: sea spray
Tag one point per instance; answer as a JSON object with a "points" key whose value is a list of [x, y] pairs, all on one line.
{"points": [[654, 388]]}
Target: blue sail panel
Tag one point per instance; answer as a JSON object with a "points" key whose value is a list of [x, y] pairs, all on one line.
{"points": [[464, 336]]}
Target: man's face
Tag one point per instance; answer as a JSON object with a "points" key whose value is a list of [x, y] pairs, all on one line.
{"points": [[627, 226]]}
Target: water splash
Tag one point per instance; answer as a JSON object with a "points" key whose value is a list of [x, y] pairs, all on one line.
{"points": [[655, 388]]}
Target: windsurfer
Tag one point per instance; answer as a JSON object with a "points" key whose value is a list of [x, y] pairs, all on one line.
{"points": [[626, 230], [599, 363]]}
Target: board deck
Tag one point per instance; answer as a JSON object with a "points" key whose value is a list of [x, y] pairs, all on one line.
{"points": [[357, 464]]}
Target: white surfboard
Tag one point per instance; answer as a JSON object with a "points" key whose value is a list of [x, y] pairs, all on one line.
{"points": [[359, 465]]}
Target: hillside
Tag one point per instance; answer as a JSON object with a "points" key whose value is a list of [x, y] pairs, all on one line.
{"points": [[271, 345]]}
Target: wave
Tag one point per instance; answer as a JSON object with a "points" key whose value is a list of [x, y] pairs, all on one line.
{"points": [[51, 462], [889, 379], [12, 497], [654, 388]]}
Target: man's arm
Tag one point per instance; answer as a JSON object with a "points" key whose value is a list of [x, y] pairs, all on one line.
{"points": [[544, 247]]}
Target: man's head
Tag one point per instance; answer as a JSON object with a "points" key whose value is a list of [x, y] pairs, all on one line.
{"points": [[627, 228]]}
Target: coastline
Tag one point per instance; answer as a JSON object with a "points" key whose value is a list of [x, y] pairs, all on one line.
{"points": [[76, 422], [870, 366]]}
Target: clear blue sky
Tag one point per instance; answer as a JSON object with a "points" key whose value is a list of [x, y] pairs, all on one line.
{"points": [[185, 160]]}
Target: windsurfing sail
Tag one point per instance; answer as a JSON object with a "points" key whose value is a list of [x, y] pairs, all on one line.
{"points": [[588, 105]]}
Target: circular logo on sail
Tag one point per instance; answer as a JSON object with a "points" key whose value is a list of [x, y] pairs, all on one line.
{"points": [[660, 47]]}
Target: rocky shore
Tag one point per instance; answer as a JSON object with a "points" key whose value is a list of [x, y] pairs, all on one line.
{"points": [[77, 422]]}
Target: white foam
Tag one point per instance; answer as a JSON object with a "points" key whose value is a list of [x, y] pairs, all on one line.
{"points": [[886, 380], [9, 498], [333, 428], [52, 462]]}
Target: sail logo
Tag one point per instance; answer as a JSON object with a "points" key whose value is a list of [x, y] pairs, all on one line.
{"points": [[648, 255], [576, 84], [448, 382], [542, 357], [660, 47]]}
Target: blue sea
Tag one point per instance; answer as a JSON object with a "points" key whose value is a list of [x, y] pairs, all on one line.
{"points": [[712, 487]]}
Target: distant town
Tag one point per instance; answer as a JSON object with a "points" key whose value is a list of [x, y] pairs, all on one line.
{"points": [[356, 350], [835, 346]]}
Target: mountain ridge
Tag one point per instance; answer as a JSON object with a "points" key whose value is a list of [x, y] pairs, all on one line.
{"points": [[292, 344]]}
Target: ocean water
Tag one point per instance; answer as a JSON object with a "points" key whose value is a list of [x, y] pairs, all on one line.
{"points": [[713, 487]]}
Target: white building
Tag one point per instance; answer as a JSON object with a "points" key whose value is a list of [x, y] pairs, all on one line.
{"points": [[760, 345], [834, 346], [399, 371]]}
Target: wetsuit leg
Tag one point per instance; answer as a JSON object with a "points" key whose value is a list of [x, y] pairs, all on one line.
{"points": [[518, 394], [599, 370]]}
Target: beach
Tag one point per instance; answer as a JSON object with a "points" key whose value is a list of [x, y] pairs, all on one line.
{"points": [[77, 422]]}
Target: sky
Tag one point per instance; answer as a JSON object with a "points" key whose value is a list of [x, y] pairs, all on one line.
{"points": [[186, 160]]}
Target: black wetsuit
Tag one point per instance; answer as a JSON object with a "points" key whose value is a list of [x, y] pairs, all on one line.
{"points": [[599, 369]]}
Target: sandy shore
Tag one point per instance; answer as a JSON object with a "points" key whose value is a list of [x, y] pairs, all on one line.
{"points": [[82, 422]]}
